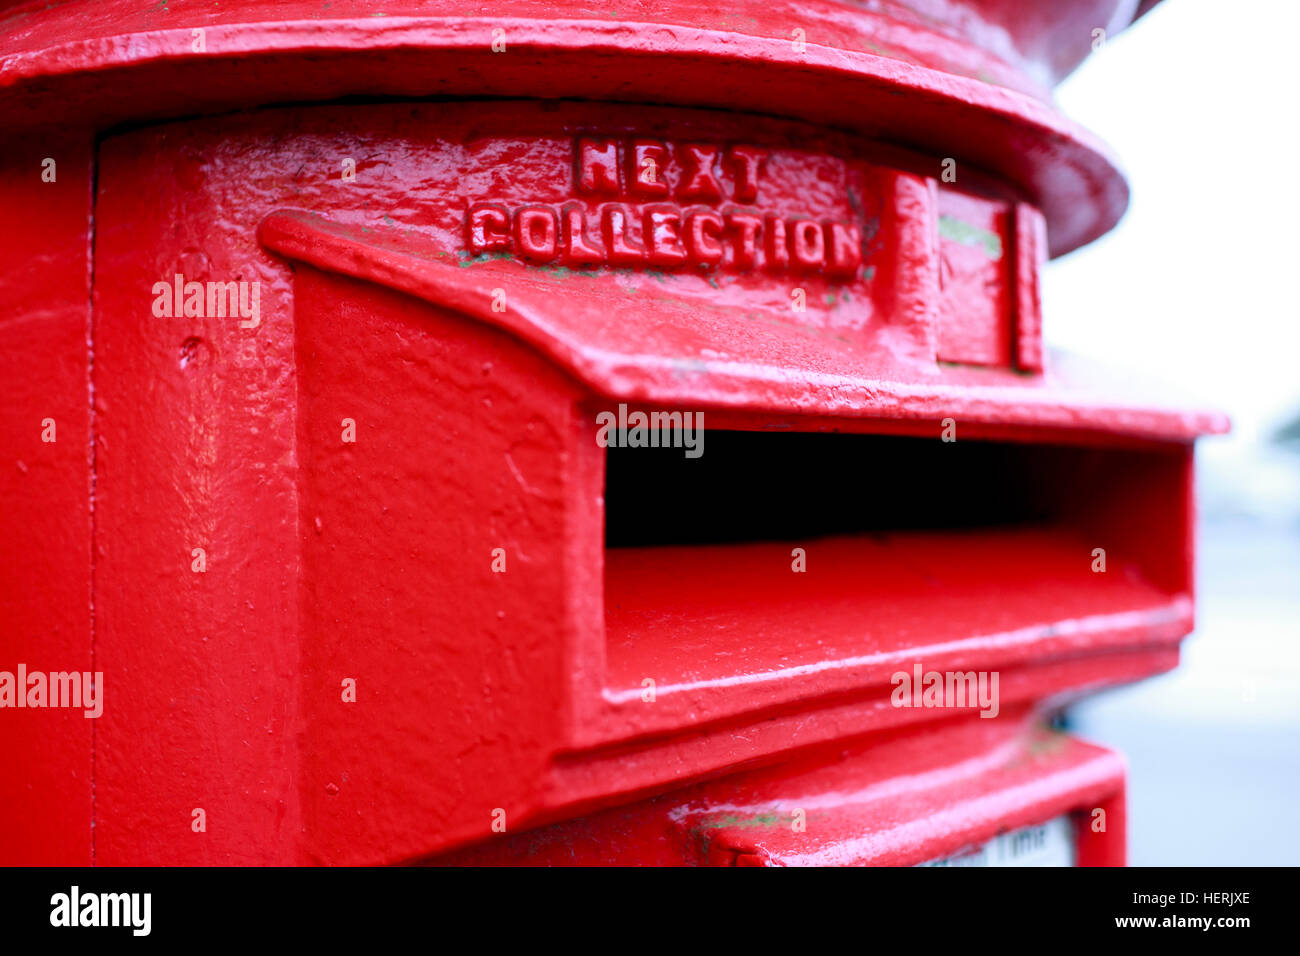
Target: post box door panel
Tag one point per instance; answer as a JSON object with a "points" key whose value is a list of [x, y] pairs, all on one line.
{"points": [[447, 296]]}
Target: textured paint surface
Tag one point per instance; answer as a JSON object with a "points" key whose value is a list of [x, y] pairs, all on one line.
{"points": [[46, 788], [344, 563], [195, 449]]}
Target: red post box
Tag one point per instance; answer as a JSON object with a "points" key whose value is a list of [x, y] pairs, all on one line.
{"points": [[502, 469]]}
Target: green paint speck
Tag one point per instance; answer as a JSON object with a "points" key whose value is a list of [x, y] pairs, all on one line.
{"points": [[731, 820], [466, 260], [971, 235]]}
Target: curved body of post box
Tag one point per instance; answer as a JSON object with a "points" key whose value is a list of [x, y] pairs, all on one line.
{"points": [[358, 517]]}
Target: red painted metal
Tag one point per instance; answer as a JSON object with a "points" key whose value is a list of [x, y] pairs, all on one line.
{"points": [[384, 473], [902, 799]]}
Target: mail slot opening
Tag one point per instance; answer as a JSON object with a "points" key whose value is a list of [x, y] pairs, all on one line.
{"points": [[780, 550]]}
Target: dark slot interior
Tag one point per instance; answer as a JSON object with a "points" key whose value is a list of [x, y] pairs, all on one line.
{"points": [[786, 486], [907, 541]]}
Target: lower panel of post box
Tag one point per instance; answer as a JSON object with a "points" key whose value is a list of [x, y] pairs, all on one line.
{"points": [[963, 792]]}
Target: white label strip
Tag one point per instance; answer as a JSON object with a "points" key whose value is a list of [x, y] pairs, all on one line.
{"points": [[1049, 844]]}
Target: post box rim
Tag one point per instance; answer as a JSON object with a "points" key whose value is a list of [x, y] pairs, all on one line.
{"points": [[104, 79]]}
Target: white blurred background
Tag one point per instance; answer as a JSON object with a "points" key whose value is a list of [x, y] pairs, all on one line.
{"points": [[1196, 289]]}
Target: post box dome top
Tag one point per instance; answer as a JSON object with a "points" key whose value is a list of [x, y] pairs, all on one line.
{"points": [[968, 79]]}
